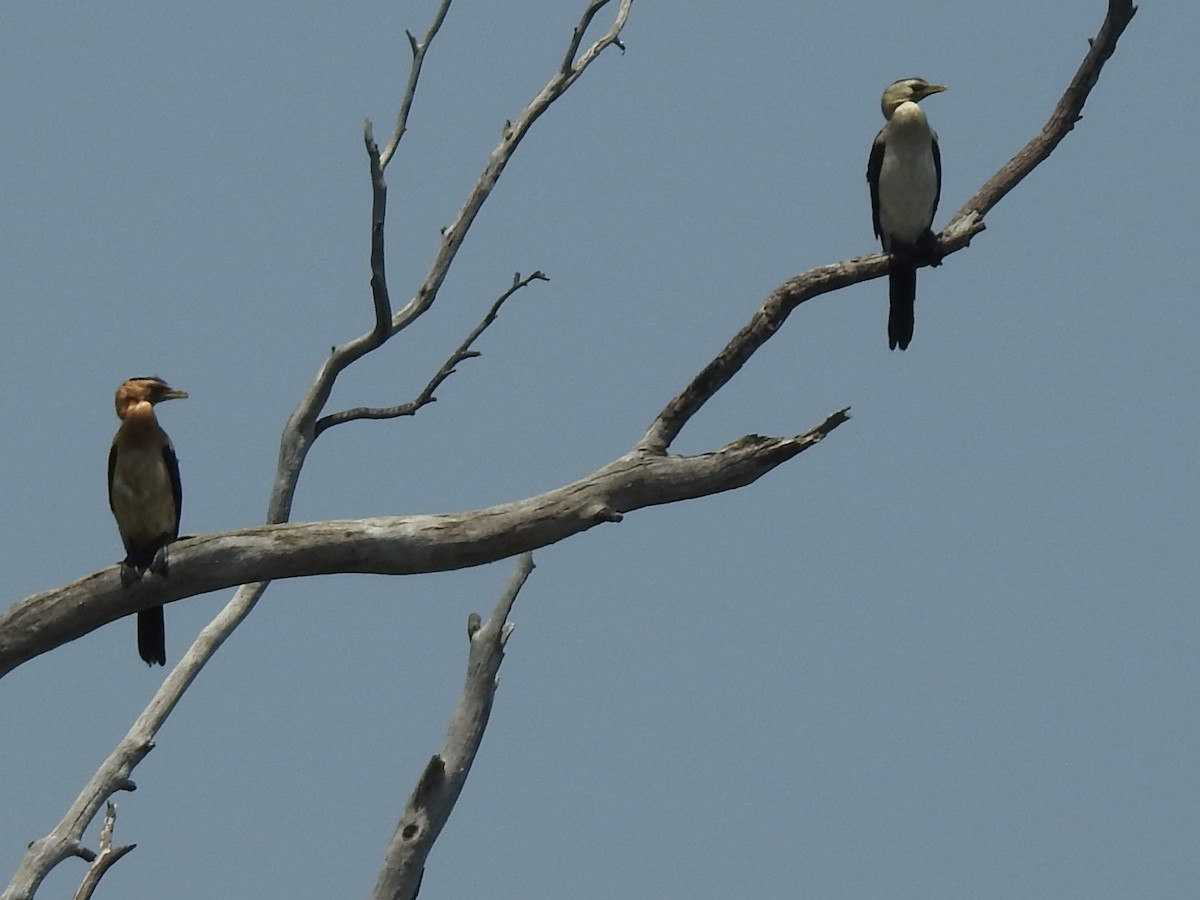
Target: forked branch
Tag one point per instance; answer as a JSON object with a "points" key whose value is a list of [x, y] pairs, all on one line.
{"points": [[461, 353], [419, 49], [300, 431]]}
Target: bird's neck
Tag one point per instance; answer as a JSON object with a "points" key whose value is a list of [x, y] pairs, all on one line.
{"points": [[908, 115], [139, 418]]}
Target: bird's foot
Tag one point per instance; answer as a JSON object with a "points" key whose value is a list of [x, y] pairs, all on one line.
{"points": [[129, 574], [929, 249], [159, 564]]}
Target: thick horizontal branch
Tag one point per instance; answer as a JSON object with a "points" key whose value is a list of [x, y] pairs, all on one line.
{"points": [[398, 545]]}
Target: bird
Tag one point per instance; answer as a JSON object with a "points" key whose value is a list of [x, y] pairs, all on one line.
{"points": [[905, 175], [146, 497]]}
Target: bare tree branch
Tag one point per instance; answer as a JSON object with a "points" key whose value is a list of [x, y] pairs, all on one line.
{"points": [[958, 233], [300, 431], [569, 64], [434, 797], [461, 353], [419, 49], [394, 545], [378, 162], [114, 773], [106, 859], [1067, 112], [379, 291]]}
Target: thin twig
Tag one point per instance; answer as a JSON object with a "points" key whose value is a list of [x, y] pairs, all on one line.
{"points": [[414, 74], [379, 291], [461, 353], [378, 162], [510, 139], [585, 22]]}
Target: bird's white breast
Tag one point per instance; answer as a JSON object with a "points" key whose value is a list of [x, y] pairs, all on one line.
{"points": [[907, 177]]}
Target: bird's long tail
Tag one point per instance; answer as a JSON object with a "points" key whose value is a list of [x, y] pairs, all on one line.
{"points": [[902, 294], [152, 636]]}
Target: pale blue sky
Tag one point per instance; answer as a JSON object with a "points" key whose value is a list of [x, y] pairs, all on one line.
{"points": [[949, 653]]}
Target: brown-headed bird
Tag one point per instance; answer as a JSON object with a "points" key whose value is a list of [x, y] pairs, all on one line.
{"points": [[146, 497], [905, 174]]}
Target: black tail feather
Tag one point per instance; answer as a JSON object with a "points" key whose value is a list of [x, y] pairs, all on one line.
{"points": [[902, 295], [152, 636]]}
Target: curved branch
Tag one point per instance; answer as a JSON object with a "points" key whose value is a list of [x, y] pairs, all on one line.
{"points": [[392, 545], [1067, 112], [958, 233]]}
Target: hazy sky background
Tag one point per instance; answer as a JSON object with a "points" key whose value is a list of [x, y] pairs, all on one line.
{"points": [[949, 653]]}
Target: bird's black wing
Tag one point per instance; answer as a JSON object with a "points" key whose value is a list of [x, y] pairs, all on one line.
{"points": [[874, 165], [937, 167], [172, 464], [112, 467]]}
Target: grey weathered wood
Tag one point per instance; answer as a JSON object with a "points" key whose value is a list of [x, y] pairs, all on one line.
{"points": [[400, 545]]}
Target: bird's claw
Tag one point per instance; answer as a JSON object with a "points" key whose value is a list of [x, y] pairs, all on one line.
{"points": [[929, 249], [159, 564], [129, 574]]}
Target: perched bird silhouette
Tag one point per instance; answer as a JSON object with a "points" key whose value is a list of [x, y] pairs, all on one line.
{"points": [[905, 174], [146, 497]]}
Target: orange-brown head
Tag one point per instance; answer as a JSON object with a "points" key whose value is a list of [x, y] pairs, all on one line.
{"points": [[148, 390]]}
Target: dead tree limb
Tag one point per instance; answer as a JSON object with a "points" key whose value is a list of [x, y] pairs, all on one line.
{"points": [[396, 545], [441, 782]]}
